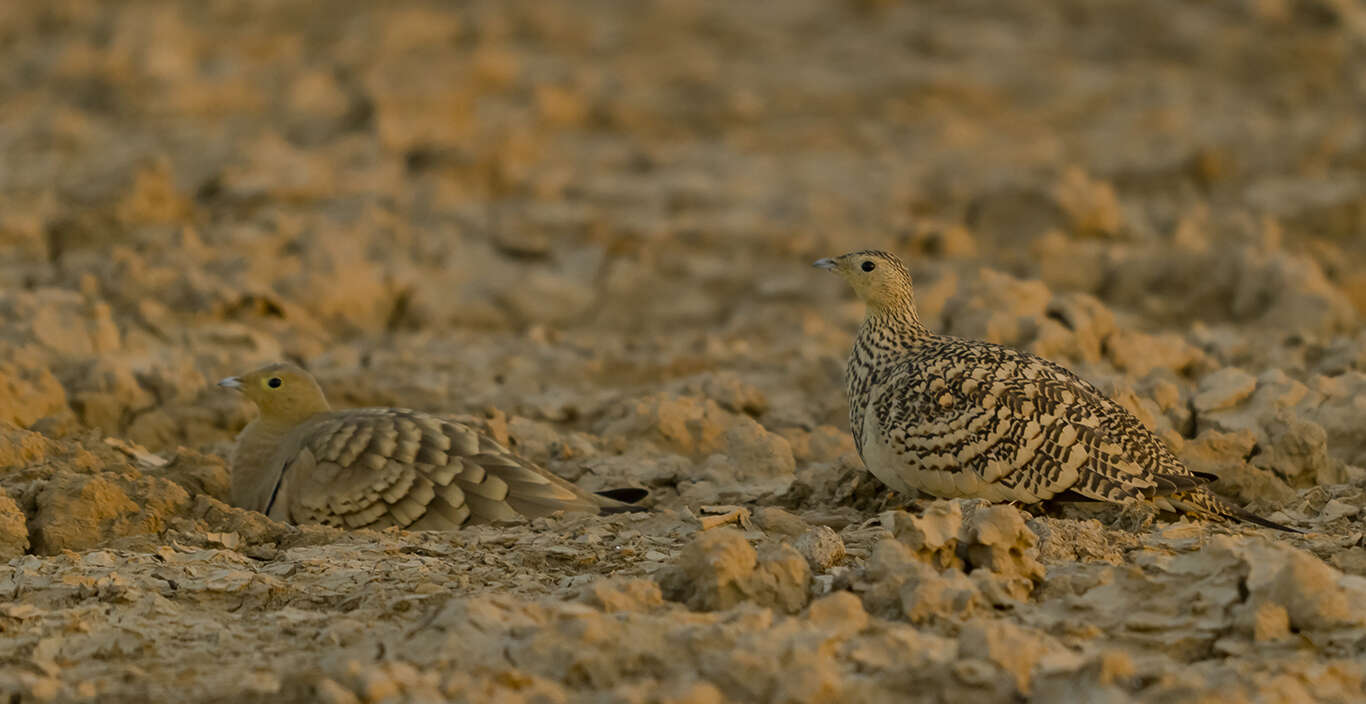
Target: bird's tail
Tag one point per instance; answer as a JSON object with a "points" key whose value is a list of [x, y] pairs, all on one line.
{"points": [[622, 500], [1203, 503]]}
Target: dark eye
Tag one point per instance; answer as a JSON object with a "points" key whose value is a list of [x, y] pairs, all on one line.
{"points": [[869, 266], [274, 382]]}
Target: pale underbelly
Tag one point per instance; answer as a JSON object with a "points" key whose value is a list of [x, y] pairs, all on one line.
{"points": [[905, 473]]}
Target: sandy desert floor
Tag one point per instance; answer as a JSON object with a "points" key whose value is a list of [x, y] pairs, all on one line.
{"points": [[587, 227]]}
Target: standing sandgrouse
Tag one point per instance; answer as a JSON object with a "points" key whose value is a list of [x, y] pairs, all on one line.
{"points": [[302, 462], [964, 418]]}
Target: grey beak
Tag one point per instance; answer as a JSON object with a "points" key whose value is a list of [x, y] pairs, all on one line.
{"points": [[231, 382], [826, 264]]}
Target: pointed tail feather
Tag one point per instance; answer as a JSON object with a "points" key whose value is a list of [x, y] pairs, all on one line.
{"points": [[1201, 502], [621, 500], [628, 495]]}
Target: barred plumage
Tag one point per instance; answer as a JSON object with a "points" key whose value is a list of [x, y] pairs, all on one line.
{"points": [[301, 462], [964, 418]]}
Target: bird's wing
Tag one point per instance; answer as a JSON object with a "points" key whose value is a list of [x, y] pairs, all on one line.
{"points": [[967, 418], [392, 467], [1139, 443]]}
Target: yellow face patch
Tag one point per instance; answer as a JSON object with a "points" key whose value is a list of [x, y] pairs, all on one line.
{"points": [[282, 392]]}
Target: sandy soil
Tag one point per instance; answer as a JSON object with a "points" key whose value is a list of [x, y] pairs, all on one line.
{"points": [[587, 227]]}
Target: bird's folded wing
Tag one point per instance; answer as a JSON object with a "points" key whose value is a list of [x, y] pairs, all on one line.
{"points": [[1002, 426], [1138, 442], [392, 467]]}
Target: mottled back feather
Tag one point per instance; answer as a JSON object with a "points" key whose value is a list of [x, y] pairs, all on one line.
{"points": [[377, 467]]}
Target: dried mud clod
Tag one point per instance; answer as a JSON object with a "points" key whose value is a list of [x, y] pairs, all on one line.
{"points": [[954, 560], [720, 569]]}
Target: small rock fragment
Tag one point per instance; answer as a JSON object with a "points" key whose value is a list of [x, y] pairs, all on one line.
{"points": [[889, 567], [198, 473], [776, 521], [782, 579], [927, 595], [1015, 649], [622, 595], [734, 393], [933, 534], [329, 691], [254, 527], [28, 393], [1313, 595], [78, 511], [997, 539], [822, 548], [738, 515], [1224, 389], [13, 529], [1077, 541], [841, 612], [1270, 622], [720, 569]]}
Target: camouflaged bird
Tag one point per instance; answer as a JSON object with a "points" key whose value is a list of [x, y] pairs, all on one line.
{"points": [[959, 418], [302, 462]]}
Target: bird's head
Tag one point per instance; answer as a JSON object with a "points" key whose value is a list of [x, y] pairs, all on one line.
{"points": [[283, 392], [879, 279]]}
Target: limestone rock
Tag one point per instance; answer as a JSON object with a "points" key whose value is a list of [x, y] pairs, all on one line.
{"points": [[822, 548], [81, 511], [720, 569], [13, 529], [841, 612], [1315, 596], [997, 539], [928, 595], [1015, 649], [1223, 389], [20, 448], [621, 595], [1078, 541], [896, 583], [198, 473], [777, 521], [933, 535], [971, 535], [735, 446], [28, 393]]}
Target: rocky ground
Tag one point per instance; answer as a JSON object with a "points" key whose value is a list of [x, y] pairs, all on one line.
{"points": [[587, 227]]}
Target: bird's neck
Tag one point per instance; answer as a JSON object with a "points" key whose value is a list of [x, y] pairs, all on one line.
{"points": [[882, 340], [897, 321], [251, 461]]}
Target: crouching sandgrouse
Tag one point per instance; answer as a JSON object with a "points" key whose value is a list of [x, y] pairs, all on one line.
{"points": [[302, 462], [958, 418]]}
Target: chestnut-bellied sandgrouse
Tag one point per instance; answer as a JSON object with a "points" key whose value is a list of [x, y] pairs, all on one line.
{"points": [[955, 418], [302, 462]]}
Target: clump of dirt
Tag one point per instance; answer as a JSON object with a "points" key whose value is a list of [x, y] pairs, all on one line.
{"points": [[587, 231]]}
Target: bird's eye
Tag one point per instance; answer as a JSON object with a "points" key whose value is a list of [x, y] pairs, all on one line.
{"points": [[869, 266], [274, 382]]}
